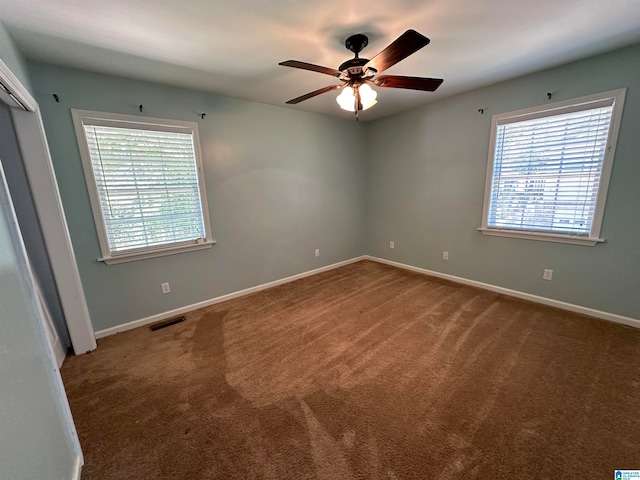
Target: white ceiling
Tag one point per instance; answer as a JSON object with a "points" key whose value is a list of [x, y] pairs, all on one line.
{"points": [[233, 47]]}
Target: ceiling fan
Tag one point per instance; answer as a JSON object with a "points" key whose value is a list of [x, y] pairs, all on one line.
{"points": [[356, 74]]}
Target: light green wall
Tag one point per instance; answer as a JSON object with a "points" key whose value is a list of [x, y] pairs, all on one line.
{"points": [[13, 59], [37, 440], [426, 177], [280, 183]]}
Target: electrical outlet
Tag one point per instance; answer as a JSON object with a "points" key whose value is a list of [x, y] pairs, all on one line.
{"points": [[445, 255], [392, 244], [317, 252], [165, 287], [547, 274]]}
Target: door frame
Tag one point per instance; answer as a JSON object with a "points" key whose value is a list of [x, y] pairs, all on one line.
{"points": [[42, 179]]}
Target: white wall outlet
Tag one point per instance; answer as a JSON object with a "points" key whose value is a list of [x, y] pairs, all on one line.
{"points": [[547, 274], [445, 255], [165, 287], [317, 252], [392, 244]]}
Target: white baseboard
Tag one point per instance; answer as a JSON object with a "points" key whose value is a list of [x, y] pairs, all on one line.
{"points": [[206, 303], [59, 351], [77, 469], [612, 317]]}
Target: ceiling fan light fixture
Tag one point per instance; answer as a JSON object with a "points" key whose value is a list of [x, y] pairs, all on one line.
{"points": [[347, 99], [367, 96]]}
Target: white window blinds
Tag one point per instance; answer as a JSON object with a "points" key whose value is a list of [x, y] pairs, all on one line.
{"points": [[147, 184], [547, 170]]}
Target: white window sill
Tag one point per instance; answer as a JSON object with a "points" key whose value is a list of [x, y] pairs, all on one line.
{"points": [[545, 237], [160, 252]]}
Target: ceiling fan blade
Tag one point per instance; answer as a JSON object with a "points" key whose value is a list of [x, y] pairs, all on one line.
{"points": [[314, 93], [412, 83], [403, 46], [310, 66]]}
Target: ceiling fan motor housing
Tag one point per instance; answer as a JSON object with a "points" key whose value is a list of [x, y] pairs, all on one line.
{"points": [[354, 65]]}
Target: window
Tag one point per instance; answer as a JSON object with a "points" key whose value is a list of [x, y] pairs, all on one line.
{"points": [[146, 185], [549, 168]]}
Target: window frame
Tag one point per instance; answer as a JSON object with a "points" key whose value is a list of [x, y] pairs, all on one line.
{"points": [[88, 117], [612, 97]]}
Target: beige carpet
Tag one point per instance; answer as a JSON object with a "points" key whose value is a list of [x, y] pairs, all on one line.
{"points": [[363, 372]]}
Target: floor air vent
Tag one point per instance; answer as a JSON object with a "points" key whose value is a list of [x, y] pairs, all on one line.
{"points": [[166, 323]]}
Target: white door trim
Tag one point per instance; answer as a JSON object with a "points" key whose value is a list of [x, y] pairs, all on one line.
{"points": [[37, 160]]}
